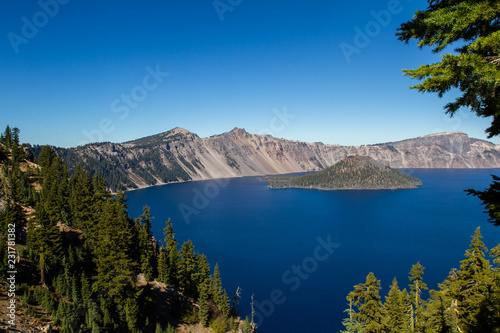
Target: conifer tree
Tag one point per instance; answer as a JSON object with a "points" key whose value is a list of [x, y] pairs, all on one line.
{"points": [[121, 198], [132, 314], [396, 318], [351, 325], [247, 327], [475, 279], [7, 137], [473, 69], [202, 275], [187, 266], [15, 135], [416, 287], [168, 257], [368, 302], [204, 313], [44, 239], [147, 254], [116, 269], [81, 200], [440, 313]]}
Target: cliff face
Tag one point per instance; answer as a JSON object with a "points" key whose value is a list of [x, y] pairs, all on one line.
{"points": [[179, 155]]}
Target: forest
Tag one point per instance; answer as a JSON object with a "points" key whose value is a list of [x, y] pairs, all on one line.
{"points": [[84, 265], [354, 172], [468, 300]]}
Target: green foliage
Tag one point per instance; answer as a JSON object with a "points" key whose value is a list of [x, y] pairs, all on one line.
{"points": [[367, 300], [168, 257], [468, 300], [10, 137], [221, 324], [416, 287], [191, 315], [115, 168], [204, 312], [45, 240], [473, 68], [356, 172], [396, 318], [90, 253], [146, 244], [490, 198], [187, 268], [219, 295], [247, 327]]}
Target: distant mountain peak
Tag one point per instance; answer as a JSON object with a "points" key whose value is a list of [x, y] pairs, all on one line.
{"points": [[179, 130], [179, 155], [238, 131]]}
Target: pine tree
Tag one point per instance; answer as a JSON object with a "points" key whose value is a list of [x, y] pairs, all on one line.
{"points": [[475, 280], [162, 264], [44, 239], [86, 291], [168, 257], [7, 137], [351, 325], [121, 198], [440, 313], [81, 200], [368, 302], [187, 266], [473, 69], [416, 287], [15, 135], [204, 313], [146, 249], [396, 319], [202, 275], [132, 314], [113, 247], [219, 295], [247, 327]]}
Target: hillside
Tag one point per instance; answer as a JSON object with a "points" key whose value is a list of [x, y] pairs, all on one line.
{"points": [[354, 172], [179, 155], [72, 259]]}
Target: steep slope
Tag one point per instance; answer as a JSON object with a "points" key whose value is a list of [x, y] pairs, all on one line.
{"points": [[179, 155], [354, 172]]}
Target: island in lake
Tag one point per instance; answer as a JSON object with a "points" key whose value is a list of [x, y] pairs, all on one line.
{"points": [[352, 173]]}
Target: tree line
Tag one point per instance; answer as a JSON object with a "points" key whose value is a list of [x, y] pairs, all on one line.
{"points": [[468, 300], [352, 172], [82, 254]]}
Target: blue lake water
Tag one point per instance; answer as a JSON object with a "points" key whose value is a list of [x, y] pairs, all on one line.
{"points": [[300, 252]]}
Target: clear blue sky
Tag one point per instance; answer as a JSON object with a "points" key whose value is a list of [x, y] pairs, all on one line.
{"points": [[74, 71]]}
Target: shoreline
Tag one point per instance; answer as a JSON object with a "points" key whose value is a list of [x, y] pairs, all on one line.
{"points": [[284, 174], [345, 189]]}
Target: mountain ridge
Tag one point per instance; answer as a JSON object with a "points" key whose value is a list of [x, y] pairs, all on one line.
{"points": [[180, 155]]}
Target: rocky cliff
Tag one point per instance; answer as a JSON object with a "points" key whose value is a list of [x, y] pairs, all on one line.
{"points": [[179, 155]]}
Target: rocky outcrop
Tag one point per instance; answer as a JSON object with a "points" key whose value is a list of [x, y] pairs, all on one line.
{"points": [[179, 155]]}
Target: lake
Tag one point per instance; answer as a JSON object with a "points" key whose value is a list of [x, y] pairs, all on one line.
{"points": [[300, 252]]}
